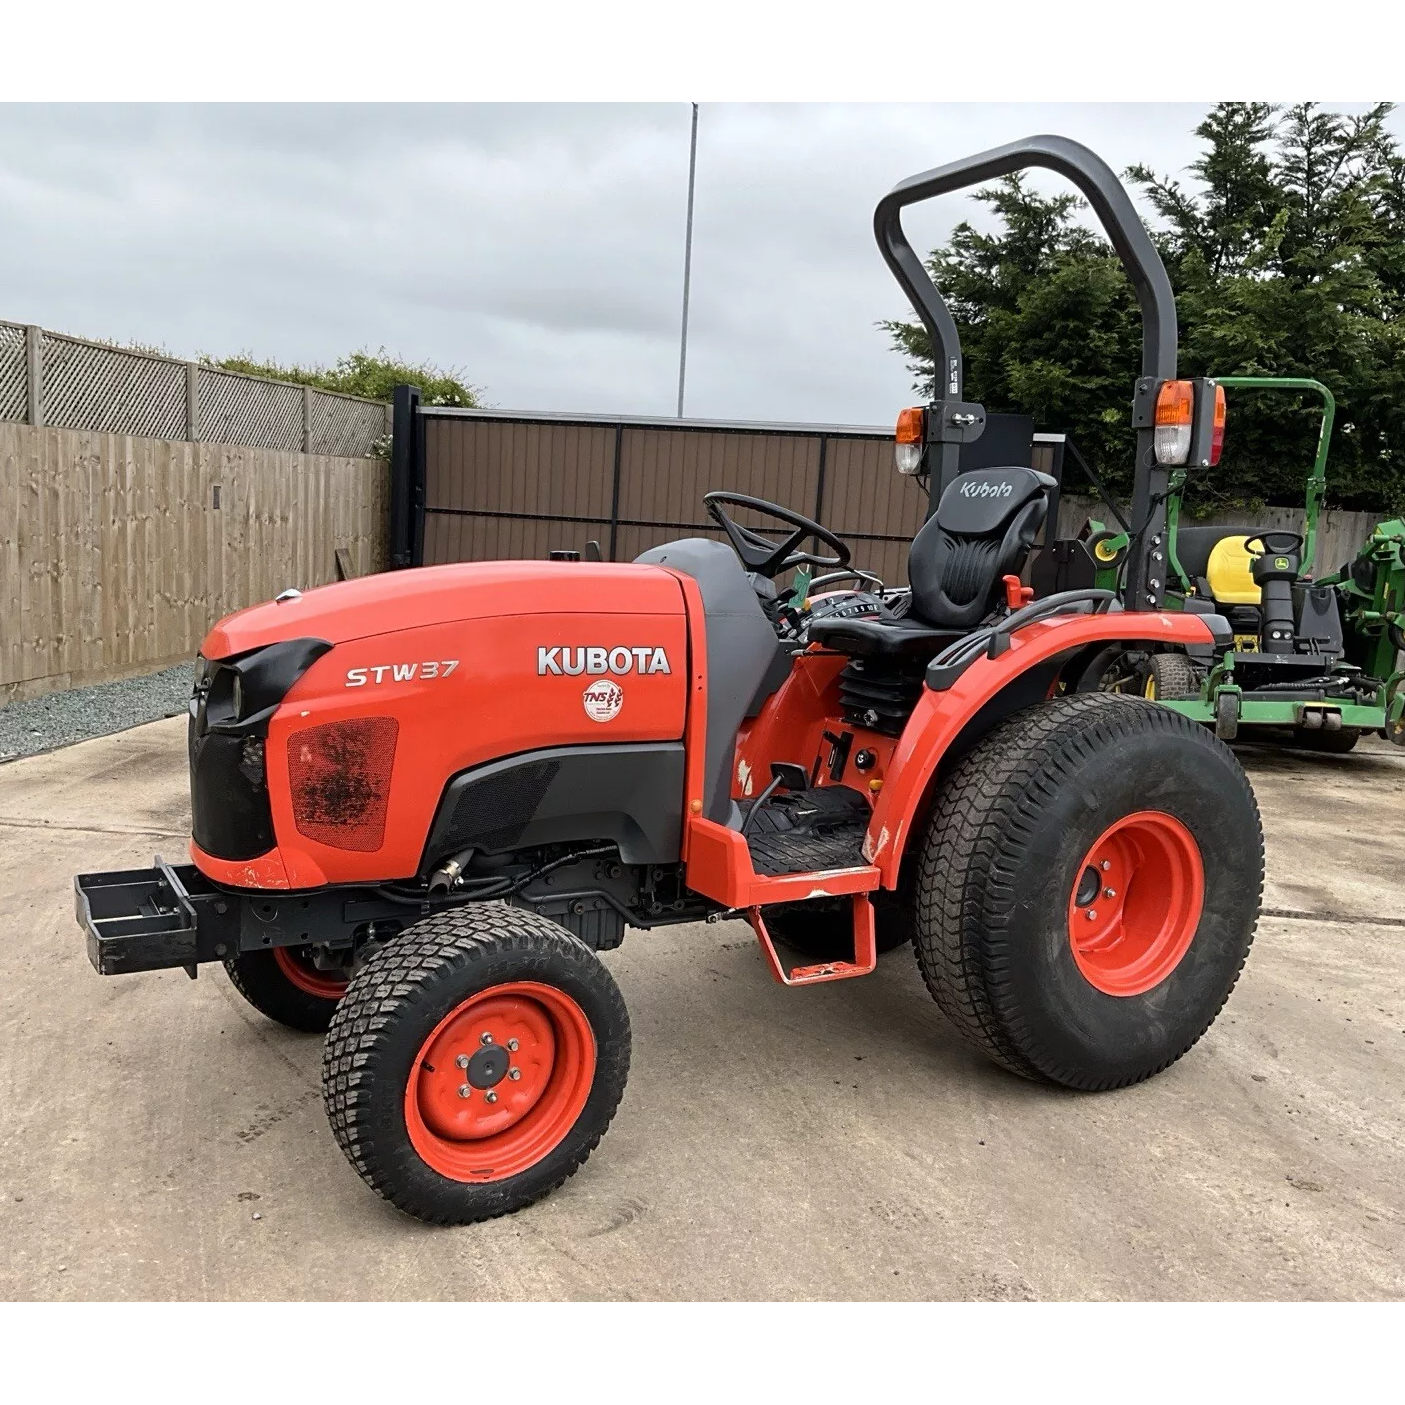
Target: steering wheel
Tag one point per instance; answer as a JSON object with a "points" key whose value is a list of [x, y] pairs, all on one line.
{"points": [[759, 554], [1294, 540]]}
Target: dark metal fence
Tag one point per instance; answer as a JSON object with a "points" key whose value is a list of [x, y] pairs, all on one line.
{"points": [[476, 485]]}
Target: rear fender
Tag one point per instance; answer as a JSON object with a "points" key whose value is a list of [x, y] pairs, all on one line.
{"points": [[945, 725]]}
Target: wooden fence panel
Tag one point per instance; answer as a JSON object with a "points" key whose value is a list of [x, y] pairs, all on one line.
{"points": [[114, 558]]}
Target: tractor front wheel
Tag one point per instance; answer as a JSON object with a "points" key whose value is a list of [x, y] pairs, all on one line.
{"points": [[287, 985], [1087, 890], [475, 1063]]}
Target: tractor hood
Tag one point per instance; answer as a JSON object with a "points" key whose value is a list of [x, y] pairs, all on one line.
{"points": [[431, 595]]}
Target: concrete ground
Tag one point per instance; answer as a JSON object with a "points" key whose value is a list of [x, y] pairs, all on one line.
{"points": [[159, 1139]]}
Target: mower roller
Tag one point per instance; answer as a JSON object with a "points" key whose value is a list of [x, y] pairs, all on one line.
{"points": [[423, 802]]}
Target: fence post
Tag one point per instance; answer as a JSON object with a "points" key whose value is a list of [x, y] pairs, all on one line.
{"points": [[34, 365], [307, 419], [192, 402]]}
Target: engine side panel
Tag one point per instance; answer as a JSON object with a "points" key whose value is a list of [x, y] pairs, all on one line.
{"points": [[460, 694]]}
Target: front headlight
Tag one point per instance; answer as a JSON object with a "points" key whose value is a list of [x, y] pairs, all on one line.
{"points": [[236, 696]]}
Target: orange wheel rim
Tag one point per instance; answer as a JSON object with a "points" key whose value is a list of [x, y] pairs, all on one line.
{"points": [[302, 972], [500, 1082], [1136, 903]]}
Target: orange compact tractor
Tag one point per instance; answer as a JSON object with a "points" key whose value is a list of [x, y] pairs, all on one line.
{"points": [[424, 801]]}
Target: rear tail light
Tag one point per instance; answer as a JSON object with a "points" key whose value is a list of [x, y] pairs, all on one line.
{"points": [[911, 440], [1175, 412], [340, 778], [1217, 433]]}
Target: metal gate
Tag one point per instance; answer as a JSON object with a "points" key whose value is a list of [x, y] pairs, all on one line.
{"points": [[479, 485]]}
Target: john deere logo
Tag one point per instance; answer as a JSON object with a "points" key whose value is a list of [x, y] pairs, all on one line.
{"points": [[1281, 563]]}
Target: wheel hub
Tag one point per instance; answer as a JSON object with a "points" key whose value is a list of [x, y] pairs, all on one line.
{"points": [[488, 1067], [301, 970], [1136, 903], [499, 1081]]}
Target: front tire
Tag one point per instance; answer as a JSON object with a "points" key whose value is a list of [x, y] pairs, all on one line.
{"points": [[286, 985], [1091, 803], [475, 1063]]}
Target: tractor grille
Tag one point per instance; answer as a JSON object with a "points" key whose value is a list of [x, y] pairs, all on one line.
{"points": [[879, 694], [339, 774]]}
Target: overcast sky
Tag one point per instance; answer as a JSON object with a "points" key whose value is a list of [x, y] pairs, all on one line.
{"points": [[536, 249]]}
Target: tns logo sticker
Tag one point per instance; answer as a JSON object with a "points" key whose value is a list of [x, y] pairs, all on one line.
{"points": [[987, 490], [562, 659], [603, 701]]}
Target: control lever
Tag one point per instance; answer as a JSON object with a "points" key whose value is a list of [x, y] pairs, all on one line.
{"points": [[1017, 596]]}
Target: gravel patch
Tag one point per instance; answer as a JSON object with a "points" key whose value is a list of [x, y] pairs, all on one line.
{"points": [[59, 719]]}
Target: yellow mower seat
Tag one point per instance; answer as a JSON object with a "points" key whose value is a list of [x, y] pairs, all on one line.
{"points": [[1229, 572]]}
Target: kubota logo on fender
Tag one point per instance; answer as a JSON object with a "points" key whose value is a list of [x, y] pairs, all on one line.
{"points": [[400, 672], [987, 490], [562, 658]]}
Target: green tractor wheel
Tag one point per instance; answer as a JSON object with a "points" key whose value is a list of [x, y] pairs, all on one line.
{"points": [[1170, 676]]}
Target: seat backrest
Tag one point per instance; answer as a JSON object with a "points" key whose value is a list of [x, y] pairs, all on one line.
{"points": [[1194, 544], [1230, 573], [982, 530]]}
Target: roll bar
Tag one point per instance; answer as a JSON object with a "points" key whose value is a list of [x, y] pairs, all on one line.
{"points": [[951, 420], [1110, 202]]}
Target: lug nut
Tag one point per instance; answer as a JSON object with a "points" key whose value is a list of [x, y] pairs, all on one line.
{"points": [[490, 1096], [514, 1074], [486, 1038], [1105, 865], [1092, 914], [512, 1044], [1109, 892], [465, 1091], [462, 1060]]}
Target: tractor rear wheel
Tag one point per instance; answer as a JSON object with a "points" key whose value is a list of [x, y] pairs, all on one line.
{"points": [[286, 985], [1336, 743], [1087, 889], [475, 1063], [1170, 676]]}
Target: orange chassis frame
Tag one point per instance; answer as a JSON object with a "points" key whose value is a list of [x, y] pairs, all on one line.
{"points": [[790, 727]]}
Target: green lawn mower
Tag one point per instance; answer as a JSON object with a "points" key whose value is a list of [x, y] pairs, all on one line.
{"points": [[1314, 658]]}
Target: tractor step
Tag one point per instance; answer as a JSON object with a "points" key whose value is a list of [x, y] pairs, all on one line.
{"points": [[865, 949], [809, 831], [807, 844]]}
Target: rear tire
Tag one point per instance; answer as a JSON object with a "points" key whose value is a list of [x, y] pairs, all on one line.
{"points": [[1170, 676], [1018, 828], [1334, 743], [285, 985], [409, 1039]]}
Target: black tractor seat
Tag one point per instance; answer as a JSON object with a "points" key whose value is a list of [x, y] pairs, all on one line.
{"points": [[981, 532], [876, 637]]}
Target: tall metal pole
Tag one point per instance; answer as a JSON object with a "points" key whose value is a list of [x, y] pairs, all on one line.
{"points": [[687, 261]]}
